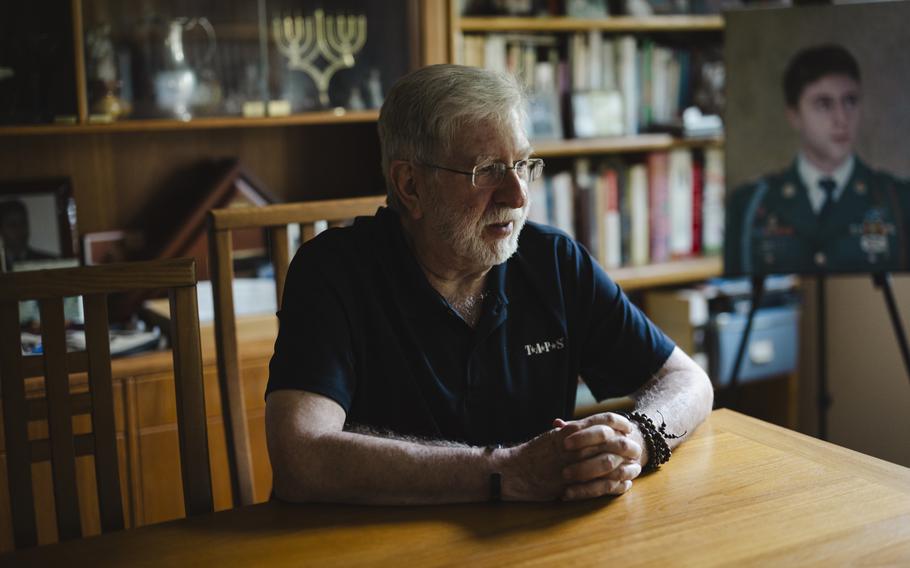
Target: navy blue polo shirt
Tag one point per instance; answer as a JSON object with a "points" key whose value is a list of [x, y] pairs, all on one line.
{"points": [[361, 324]]}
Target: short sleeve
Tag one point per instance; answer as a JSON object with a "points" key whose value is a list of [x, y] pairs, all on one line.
{"points": [[313, 351], [622, 348]]}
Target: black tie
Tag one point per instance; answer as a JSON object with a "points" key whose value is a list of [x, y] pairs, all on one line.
{"points": [[828, 185]]}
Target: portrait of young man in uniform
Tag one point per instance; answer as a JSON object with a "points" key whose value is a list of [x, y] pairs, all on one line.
{"points": [[829, 211]]}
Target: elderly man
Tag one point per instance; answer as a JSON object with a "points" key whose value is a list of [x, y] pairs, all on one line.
{"points": [[430, 353]]}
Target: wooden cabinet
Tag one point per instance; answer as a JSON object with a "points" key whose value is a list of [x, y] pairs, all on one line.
{"points": [[120, 168]]}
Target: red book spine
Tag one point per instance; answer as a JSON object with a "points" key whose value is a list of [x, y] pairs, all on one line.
{"points": [[698, 192]]}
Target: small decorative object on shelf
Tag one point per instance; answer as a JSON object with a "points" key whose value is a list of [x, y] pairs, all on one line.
{"points": [[104, 83], [177, 85], [337, 39]]}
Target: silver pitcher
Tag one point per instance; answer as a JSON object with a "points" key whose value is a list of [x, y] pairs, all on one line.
{"points": [[177, 86]]}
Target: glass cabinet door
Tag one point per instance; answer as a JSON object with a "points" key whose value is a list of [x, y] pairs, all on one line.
{"points": [[37, 79], [186, 59], [344, 53]]}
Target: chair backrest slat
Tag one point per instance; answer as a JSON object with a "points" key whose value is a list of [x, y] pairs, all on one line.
{"points": [[274, 219], [194, 448], [58, 406], [84, 445], [33, 365], [221, 266], [60, 418], [107, 472], [80, 403], [278, 239], [15, 425], [307, 231]]}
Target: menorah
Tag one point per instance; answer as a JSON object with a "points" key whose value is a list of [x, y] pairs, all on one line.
{"points": [[336, 38]]}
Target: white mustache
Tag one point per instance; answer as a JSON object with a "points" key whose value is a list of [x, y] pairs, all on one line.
{"points": [[502, 216]]}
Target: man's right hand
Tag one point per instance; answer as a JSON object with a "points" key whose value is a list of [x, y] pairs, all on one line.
{"points": [[575, 460]]}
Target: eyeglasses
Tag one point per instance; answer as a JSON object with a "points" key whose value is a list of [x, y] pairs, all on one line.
{"points": [[491, 175]]}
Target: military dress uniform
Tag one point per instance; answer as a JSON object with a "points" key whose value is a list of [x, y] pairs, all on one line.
{"points": [[771, 227]]}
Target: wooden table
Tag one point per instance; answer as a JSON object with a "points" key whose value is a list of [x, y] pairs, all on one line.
{"points": [[740, 491]]}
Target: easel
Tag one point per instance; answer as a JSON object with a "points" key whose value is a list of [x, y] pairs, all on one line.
{"points": [[881, 280]]}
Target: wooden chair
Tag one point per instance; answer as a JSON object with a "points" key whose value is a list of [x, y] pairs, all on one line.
{"points": [[275, 220], [93, 283]]}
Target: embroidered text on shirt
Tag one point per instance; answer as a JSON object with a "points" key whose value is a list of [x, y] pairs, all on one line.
{"points": [[545, 346]]}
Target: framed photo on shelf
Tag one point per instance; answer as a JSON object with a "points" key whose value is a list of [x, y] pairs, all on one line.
{"points": [[37, 223], [105, 247], [597, 113], [544, 121]]}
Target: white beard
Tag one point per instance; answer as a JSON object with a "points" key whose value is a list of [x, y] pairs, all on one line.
{"points": [[465, 236]]}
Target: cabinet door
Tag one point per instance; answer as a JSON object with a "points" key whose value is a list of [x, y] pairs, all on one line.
{"points": [[37, 75], [188, 59]]}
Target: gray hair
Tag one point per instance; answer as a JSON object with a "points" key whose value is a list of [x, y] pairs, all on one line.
{"points": [[426, 109]]}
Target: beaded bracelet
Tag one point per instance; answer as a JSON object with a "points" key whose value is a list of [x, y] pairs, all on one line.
{"points": [[655, 439]]}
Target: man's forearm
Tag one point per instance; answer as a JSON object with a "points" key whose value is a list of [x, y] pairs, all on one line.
{"points": [[680, 395], [350, 467]]}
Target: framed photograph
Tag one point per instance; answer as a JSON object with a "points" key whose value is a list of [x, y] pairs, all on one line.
{"points": [[818, 175], [597, 113], [105, 247], [544, 121], [37, 222]]}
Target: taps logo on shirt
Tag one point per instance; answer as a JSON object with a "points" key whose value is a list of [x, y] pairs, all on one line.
{"points": [[545, 346]]}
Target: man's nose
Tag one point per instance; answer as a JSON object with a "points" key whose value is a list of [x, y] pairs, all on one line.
{"points": [[841, 114], [512, 192]]}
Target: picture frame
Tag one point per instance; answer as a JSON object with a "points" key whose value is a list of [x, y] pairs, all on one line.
{"points": [[597, 114], [544, 117], [37, 222]]}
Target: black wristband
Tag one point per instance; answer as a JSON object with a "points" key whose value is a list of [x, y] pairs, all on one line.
{"points": [[495, 477], [495, 487]]}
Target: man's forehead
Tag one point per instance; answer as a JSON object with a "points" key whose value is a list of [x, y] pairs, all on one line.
{"points": [[836, 84], [486, 144]]}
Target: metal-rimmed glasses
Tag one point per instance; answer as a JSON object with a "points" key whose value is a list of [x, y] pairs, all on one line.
{"points": [[485, 176]]}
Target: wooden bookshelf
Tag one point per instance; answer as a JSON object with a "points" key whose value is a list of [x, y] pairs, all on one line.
{"points": [[667, 273], [619, 144], [339, 116], [618, 24]]}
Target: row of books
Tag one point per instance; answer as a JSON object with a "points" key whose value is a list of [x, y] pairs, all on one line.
{"points": [[592, 8], [612, 84], [666, 207]]}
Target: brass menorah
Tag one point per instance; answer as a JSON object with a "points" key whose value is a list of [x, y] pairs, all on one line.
{"points": [[336, 38]]}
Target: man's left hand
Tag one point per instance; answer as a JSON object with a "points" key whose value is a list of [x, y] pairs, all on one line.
{"points": [[607, 458]]}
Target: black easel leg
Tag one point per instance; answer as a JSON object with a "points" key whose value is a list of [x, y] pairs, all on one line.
{"points": [[758, 290], [824, 399], [883, 280]]}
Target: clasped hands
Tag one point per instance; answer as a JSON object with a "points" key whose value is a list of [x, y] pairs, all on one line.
{"points": [[583, 459]]}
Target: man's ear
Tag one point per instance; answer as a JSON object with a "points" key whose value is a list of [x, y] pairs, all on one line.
{"points": [[403, 176]]}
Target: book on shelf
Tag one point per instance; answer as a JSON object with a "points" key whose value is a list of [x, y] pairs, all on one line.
{"points": [[658, 206], [713, 201], [634, 213], [640, 238], [680, 198], [614, 84]]}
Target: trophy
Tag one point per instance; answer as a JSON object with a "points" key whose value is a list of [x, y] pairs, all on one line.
{"points": [[336, 38]]}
